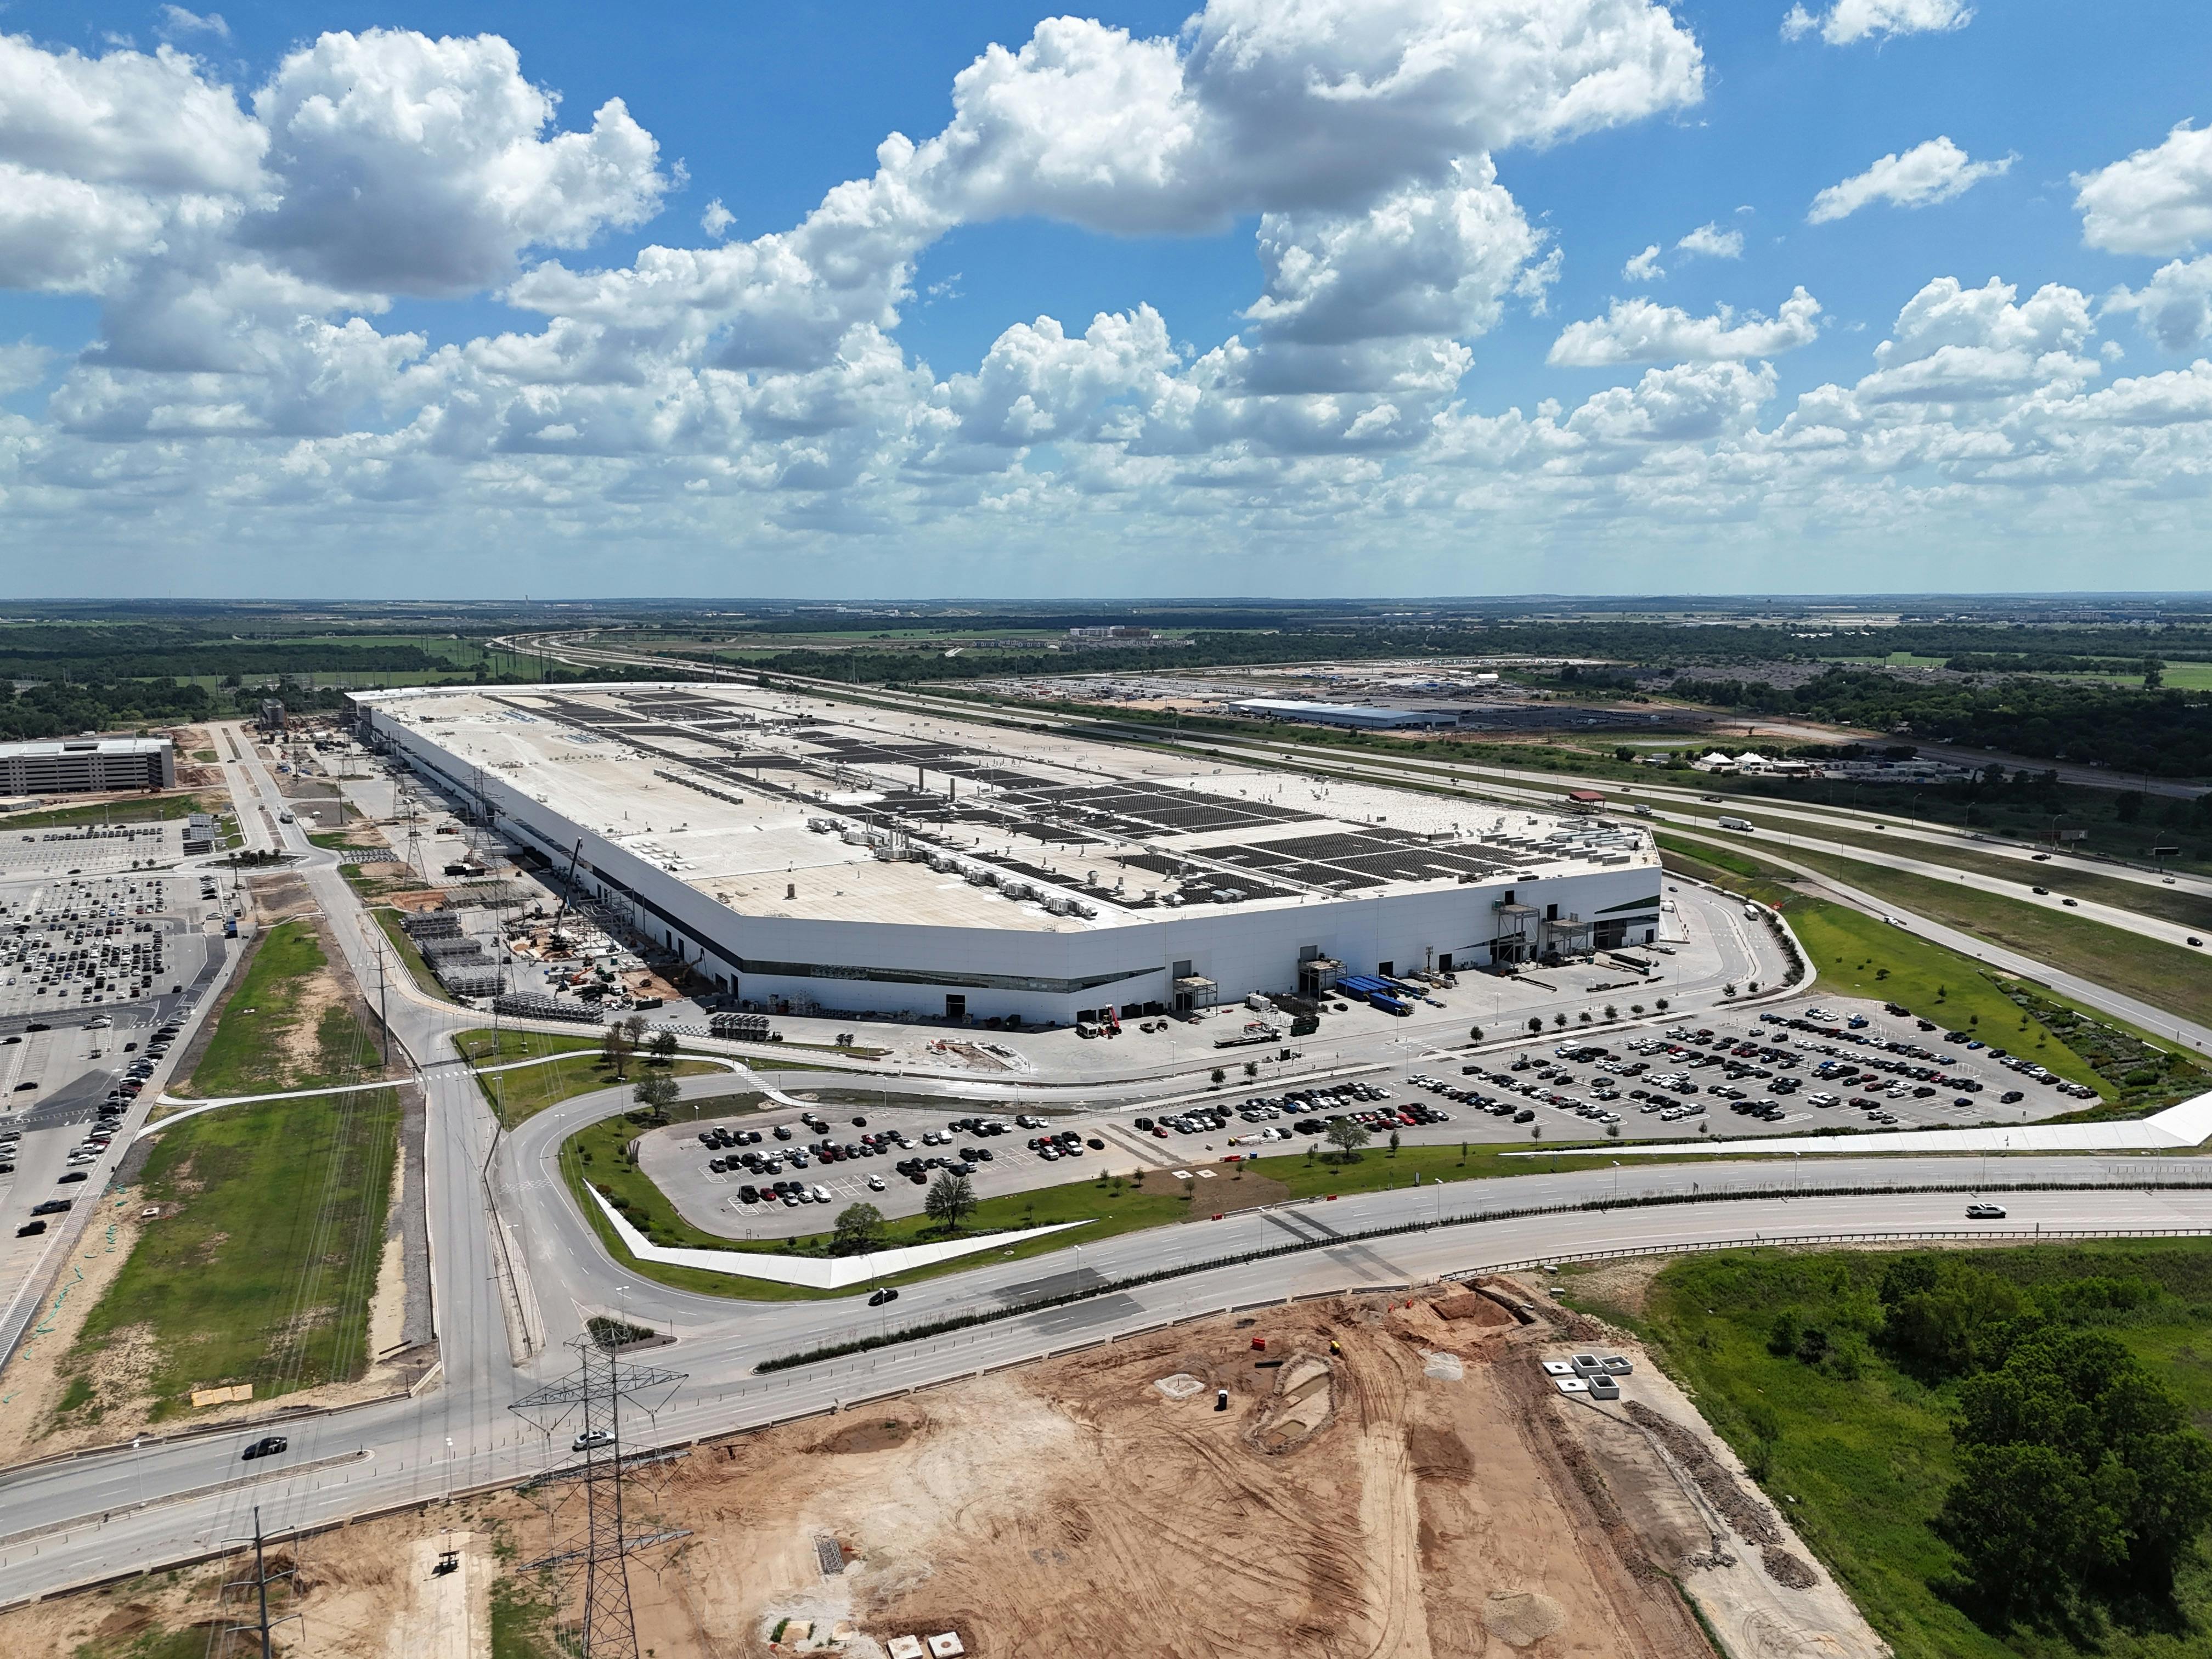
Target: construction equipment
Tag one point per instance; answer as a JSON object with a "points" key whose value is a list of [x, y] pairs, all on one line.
{"points": [[568, 885]]}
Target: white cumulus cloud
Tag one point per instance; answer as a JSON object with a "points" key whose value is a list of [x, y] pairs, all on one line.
{"points": [[1847, 21], [1953, 344], [1921, 177], [2156, 200], [1644, 267], [1710, 242], [1642, 332], [2174, 308], [176, 20]]}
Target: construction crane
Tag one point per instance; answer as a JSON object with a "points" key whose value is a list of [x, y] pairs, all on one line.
{"points": [[567, 886]]}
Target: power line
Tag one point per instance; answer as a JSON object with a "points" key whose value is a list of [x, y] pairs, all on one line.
{"points": [[592, 1551]]}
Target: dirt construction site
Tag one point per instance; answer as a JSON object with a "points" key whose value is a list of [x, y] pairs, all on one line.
{"points": [[1391, 1477]]}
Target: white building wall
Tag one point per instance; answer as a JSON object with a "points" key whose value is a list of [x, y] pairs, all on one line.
{"points": [[1244, 949]]}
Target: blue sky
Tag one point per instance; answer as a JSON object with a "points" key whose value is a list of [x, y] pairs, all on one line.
{"points": [[335, 300]]}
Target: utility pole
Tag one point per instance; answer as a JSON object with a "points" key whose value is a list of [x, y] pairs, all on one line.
{"points": [[383, 1005]]}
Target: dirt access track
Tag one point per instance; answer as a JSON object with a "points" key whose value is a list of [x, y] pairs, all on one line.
{"points": [[1420, 1489]]}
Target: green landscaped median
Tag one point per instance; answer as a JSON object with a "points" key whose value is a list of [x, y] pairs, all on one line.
{"points": [[2148, 898], [521, 1094], [2169, 976]]}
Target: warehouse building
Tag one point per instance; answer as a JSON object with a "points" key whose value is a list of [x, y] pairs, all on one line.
{"points": [[807, 855], [1358, 716], [75, 766]]}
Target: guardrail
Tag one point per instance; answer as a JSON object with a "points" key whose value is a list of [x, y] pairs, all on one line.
{"points": [[1652, 1200]]}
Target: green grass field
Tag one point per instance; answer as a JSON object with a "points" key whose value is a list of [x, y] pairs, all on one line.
{"points": [[263, 1270], [517, 1096], [2145, 898], [261, 1044], [2169, 976], [482, 1047], [139, 809], [1860, 1462]]}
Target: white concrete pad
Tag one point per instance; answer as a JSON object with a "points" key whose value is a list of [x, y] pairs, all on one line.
{"points": [[816, 1273]]}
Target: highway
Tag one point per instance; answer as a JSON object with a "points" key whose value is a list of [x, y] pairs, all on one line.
{"points": [[512, 1285]]}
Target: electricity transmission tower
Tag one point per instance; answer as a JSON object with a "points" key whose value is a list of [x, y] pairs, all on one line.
{"points": [[586, 1492], [260, 1627]]}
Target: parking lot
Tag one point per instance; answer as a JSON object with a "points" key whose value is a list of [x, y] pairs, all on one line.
{"points": [[1802, 1065], [96, 850], [681, 1166], [1790, 1067], [73, 943], [91, 967]]}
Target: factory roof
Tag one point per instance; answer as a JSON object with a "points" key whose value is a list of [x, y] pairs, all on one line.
{"points": [[779, 804], [84, 746]]}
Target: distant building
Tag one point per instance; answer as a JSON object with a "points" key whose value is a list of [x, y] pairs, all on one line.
{"points": [[199, 834], [272, 715], [1356, 715], [74, 766]]}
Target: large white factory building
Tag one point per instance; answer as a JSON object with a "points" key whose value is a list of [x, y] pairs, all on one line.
{"points": [[809, 855]]}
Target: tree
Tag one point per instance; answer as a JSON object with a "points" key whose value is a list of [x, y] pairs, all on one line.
{"points": [[1347, 1137], [1661, 1004], [2078, 1471], [634, 1028], [949, 1200], [664, 1047], [1220, 1077], [1251, 1068], [615, 1049], [859, 1228], [1475, 1034], [1535, 1023], [657, 1092], [1394, 1142]]}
